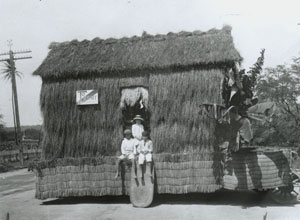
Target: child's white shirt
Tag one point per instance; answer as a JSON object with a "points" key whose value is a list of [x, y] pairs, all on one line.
{"points": [[137, 130], [145, 146], [128, 146]]}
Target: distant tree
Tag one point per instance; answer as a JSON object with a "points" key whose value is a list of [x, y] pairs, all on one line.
{"points": [[2, 130], [282, 86], [1, 122], [10, 135], [32, 133]]}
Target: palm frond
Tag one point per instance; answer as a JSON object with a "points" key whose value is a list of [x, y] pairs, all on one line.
{"points": [[6, 71]]}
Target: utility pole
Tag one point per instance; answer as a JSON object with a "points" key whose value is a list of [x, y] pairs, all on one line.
{"points": [[11, 61]]}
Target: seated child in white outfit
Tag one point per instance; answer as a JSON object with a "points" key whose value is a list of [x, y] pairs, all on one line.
{"points": [[137, 128], [128, 150], [145, 149]]}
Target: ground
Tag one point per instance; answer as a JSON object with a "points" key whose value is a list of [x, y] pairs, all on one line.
{"points": [[17, 198]]}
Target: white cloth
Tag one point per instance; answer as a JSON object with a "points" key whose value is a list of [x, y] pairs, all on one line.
{"points": [[137, 130], [145, 151], [145, 146], [143, 157], [128, 148]]}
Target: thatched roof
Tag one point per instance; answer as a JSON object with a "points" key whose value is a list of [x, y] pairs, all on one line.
{"points": [[98, 56]]}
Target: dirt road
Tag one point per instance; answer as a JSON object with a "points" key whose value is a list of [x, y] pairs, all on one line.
{"points": [[17, 198]]}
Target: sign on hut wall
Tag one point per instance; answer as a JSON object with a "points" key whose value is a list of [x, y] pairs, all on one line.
{"points": [[87, 97]]}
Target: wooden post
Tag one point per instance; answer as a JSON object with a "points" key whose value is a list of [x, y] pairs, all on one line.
{"points": [[16, 105], [11, 61]]}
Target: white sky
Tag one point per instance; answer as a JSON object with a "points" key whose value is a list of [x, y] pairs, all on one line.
{"points": [[34, 24]]}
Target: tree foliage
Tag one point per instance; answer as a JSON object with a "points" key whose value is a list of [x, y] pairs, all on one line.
{"points": [[282, 86], [2, 130], [32, 133], [1, 123], [6, 71], [256, 69], [239, 86]]}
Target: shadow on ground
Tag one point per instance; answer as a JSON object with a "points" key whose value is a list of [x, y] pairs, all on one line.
{"points": [[89, 200], [224, 197]]}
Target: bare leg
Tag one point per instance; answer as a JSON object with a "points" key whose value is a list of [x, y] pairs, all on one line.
{"points": [[133, 168], [148, 169], [141, 170], [118, 167]]}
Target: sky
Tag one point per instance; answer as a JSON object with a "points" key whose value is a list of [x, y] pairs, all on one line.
{"points": [[34, 24]]}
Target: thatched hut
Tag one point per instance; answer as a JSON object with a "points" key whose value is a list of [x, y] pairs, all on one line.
{"points": [[173, 75]]}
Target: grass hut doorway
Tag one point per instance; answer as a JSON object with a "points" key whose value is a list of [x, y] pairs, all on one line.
{"points": [[135, 101]]}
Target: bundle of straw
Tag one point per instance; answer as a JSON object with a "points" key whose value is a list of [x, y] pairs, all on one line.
{"points": [[131, 96]]}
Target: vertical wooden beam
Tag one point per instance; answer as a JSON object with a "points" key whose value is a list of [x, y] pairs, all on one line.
{"points": [[16, 105]]}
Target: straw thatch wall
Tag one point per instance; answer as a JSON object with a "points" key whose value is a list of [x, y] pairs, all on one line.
{"points": [[174, 173], [181, 72], [179, 123], [78, 131]]}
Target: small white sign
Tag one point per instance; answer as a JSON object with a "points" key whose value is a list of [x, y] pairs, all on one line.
{"points": [[87, 97]]}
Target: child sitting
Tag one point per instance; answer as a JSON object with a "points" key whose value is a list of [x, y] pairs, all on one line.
{"points": [[137, 128], [128, 150], [145, 152]]}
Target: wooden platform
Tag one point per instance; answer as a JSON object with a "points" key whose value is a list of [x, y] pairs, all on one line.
{"points": [[142, 188]]}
